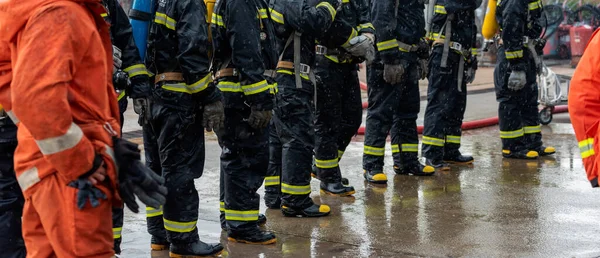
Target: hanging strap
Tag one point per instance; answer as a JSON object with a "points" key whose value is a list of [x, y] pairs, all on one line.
{"points": [[448, 36], [297, 58], [461, 72]]}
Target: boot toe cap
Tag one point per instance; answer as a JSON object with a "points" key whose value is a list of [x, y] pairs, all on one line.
{"points": [[324, 208]]}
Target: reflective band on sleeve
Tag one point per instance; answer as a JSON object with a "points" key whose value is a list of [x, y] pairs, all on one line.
{"points": [[151, 212], [352, 35], [329, 8], [440, 9], [12, 117], [514, 54], [433, 35], [453, 139], [262, 14], [512, 134], [345, 1], [104, 15], [276, 16], [272, 180], [135, 70], [366, 26], [121, 95], [226, 86], [535, 5], [330, 163], [395, 148], [340, 154], [474, 51], [532, 129], [217, 20], [433, 141], [195, 87], [375, 151], [222, 206], [163, 19], [586, 147], [241, 215], [117, 233], [255, 88], [385, 45], [61, 143], [179, 227], [28, 178], [295, 189], [410, 147]]}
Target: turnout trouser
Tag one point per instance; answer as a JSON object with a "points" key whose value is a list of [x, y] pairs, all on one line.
{"points": [[392, 109], [338, 114], [174, 146], [273, 177], [446, 104], [518, 110], [117, 215]]}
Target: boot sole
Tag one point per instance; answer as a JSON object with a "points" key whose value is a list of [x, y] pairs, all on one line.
{"points": [[303, 215], [156, 247], [459, 163], [172, 255], [523, 158], [547, 154], [339, 195], [268, 242]]}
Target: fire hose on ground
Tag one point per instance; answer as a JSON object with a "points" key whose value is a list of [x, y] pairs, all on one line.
{"points": [[469, 125]]}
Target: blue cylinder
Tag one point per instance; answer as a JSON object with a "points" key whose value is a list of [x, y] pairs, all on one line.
{"points": [[140, 17]]}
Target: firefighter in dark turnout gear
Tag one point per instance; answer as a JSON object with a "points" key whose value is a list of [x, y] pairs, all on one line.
{"points": [[246, 77], [184, 103], [452, 65], [393, 81], [339, 104], [298, 24], [130, 78], [519, 62]]}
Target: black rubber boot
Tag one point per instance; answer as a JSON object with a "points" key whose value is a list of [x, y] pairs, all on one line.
{"points": [[262, 220], [117, 245], [438, 164], [376, 177], [545, 151], [415, 169], [196, 249], [315, 174], [459, 159], [336, 189], [159, 244], [523, 154], [273, 201], [312, 211], [253, 237]]}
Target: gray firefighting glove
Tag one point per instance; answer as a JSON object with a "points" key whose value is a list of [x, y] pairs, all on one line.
{"points": [[392, 73], [86, 190], [141, 106], [213, 116], [259, 119], [135, 179], [517, 80], [423, 68], [362, 46]]}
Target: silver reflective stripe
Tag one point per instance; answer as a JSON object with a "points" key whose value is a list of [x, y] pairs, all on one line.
{"points": [[111, 153], [61, 143], [12, 117], [29, 178]]}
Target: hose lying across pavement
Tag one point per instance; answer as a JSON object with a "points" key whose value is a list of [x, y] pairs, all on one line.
{"points": [[476, 124]]}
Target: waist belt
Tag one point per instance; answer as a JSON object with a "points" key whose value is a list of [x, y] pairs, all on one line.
{"points": [[168, 77], [454, 46], [233, 72], [407, 47], [304, 68]]}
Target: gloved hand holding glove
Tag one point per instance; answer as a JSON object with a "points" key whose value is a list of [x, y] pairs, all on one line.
{"points": [[141, 106], [392, 73], [213, 116], [259, 119], [517, 80], [135, 179], [362, 46], [85, 184]]}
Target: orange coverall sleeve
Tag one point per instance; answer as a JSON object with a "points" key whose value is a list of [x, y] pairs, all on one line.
{"points": [[47, 58]]}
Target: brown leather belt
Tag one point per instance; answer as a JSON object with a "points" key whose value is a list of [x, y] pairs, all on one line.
{"points": [[168, 77], [227, 72]]}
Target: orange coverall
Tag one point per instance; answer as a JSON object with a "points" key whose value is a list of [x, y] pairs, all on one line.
{"points": [[584, 107], [63, 101]]}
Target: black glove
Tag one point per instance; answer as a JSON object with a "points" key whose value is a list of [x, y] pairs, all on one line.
{"points": [[141, 106], [424, 49], [539, 46], [259, 119], [87, 191]]}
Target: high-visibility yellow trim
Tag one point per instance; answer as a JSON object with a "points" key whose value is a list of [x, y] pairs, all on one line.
{"points": [[388, 44], [273, 88], [179, 227], [226, 86], [117, 233], [366, 26], [473, 51], [135, 70], [272, 180], [121, 95], [395, 148], [276, 16], [241, 215], [433, 141], [283, 71], [453, 139], [440, 9], [352, 35], [217, 20], [532, 129], [330, 163], [410, 147], [329, 8], [104, 15], [163, 19], [535, 5], [151, 212], [222, 206], [256, 88], [433, 35], [263, 14], [195, 87], [512, 134], [295, 189], [345, 1], [404, 49], [514, 54], [586, 147], [340, 154], [375, 151], [335, 59]]}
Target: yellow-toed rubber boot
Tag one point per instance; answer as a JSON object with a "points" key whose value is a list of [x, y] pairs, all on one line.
{"points": [[376, 177], [523, 154], [545, 151], [312, 211]]}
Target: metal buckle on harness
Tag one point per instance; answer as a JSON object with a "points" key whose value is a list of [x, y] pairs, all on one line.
{"points": [[456, 46], [304, 69], [321, 50], [525, 40]]}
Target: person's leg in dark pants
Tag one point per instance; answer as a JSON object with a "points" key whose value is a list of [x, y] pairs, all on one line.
{"points": [[273, 178]]}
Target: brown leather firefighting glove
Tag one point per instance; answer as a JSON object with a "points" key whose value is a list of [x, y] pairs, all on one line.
{"points": [[259, 119], [213, 117]]}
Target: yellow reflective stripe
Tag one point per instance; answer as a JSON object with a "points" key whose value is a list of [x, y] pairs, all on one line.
{"points": [[329, 8], [535, 5], [532, 129], [256, 88], [272, 180], [404, 49], [292, 73], [375, 151], [586, 147], [276, 16], [512, 134], [440, 9], [179, 227], [61, 143], [241, 215], [222, 206], [345, 1], [385, 45], [163, 19], [28, 178], [395, 148], [473, 51], [273, 88], [195, 87], [330, 163], [121, 95], [514, 54], [352, 35], [453, 139], [433, 141], [217, 20], [340, 154], [433, 35], [151, 212], [117, 233], [295, 189], [136, 70], [104, 15], [366, 26], [410, 147], [226, 86], [262, 14]]}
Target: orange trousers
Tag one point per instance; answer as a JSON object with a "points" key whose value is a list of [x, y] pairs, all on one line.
{"points": [[53, 226]]}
